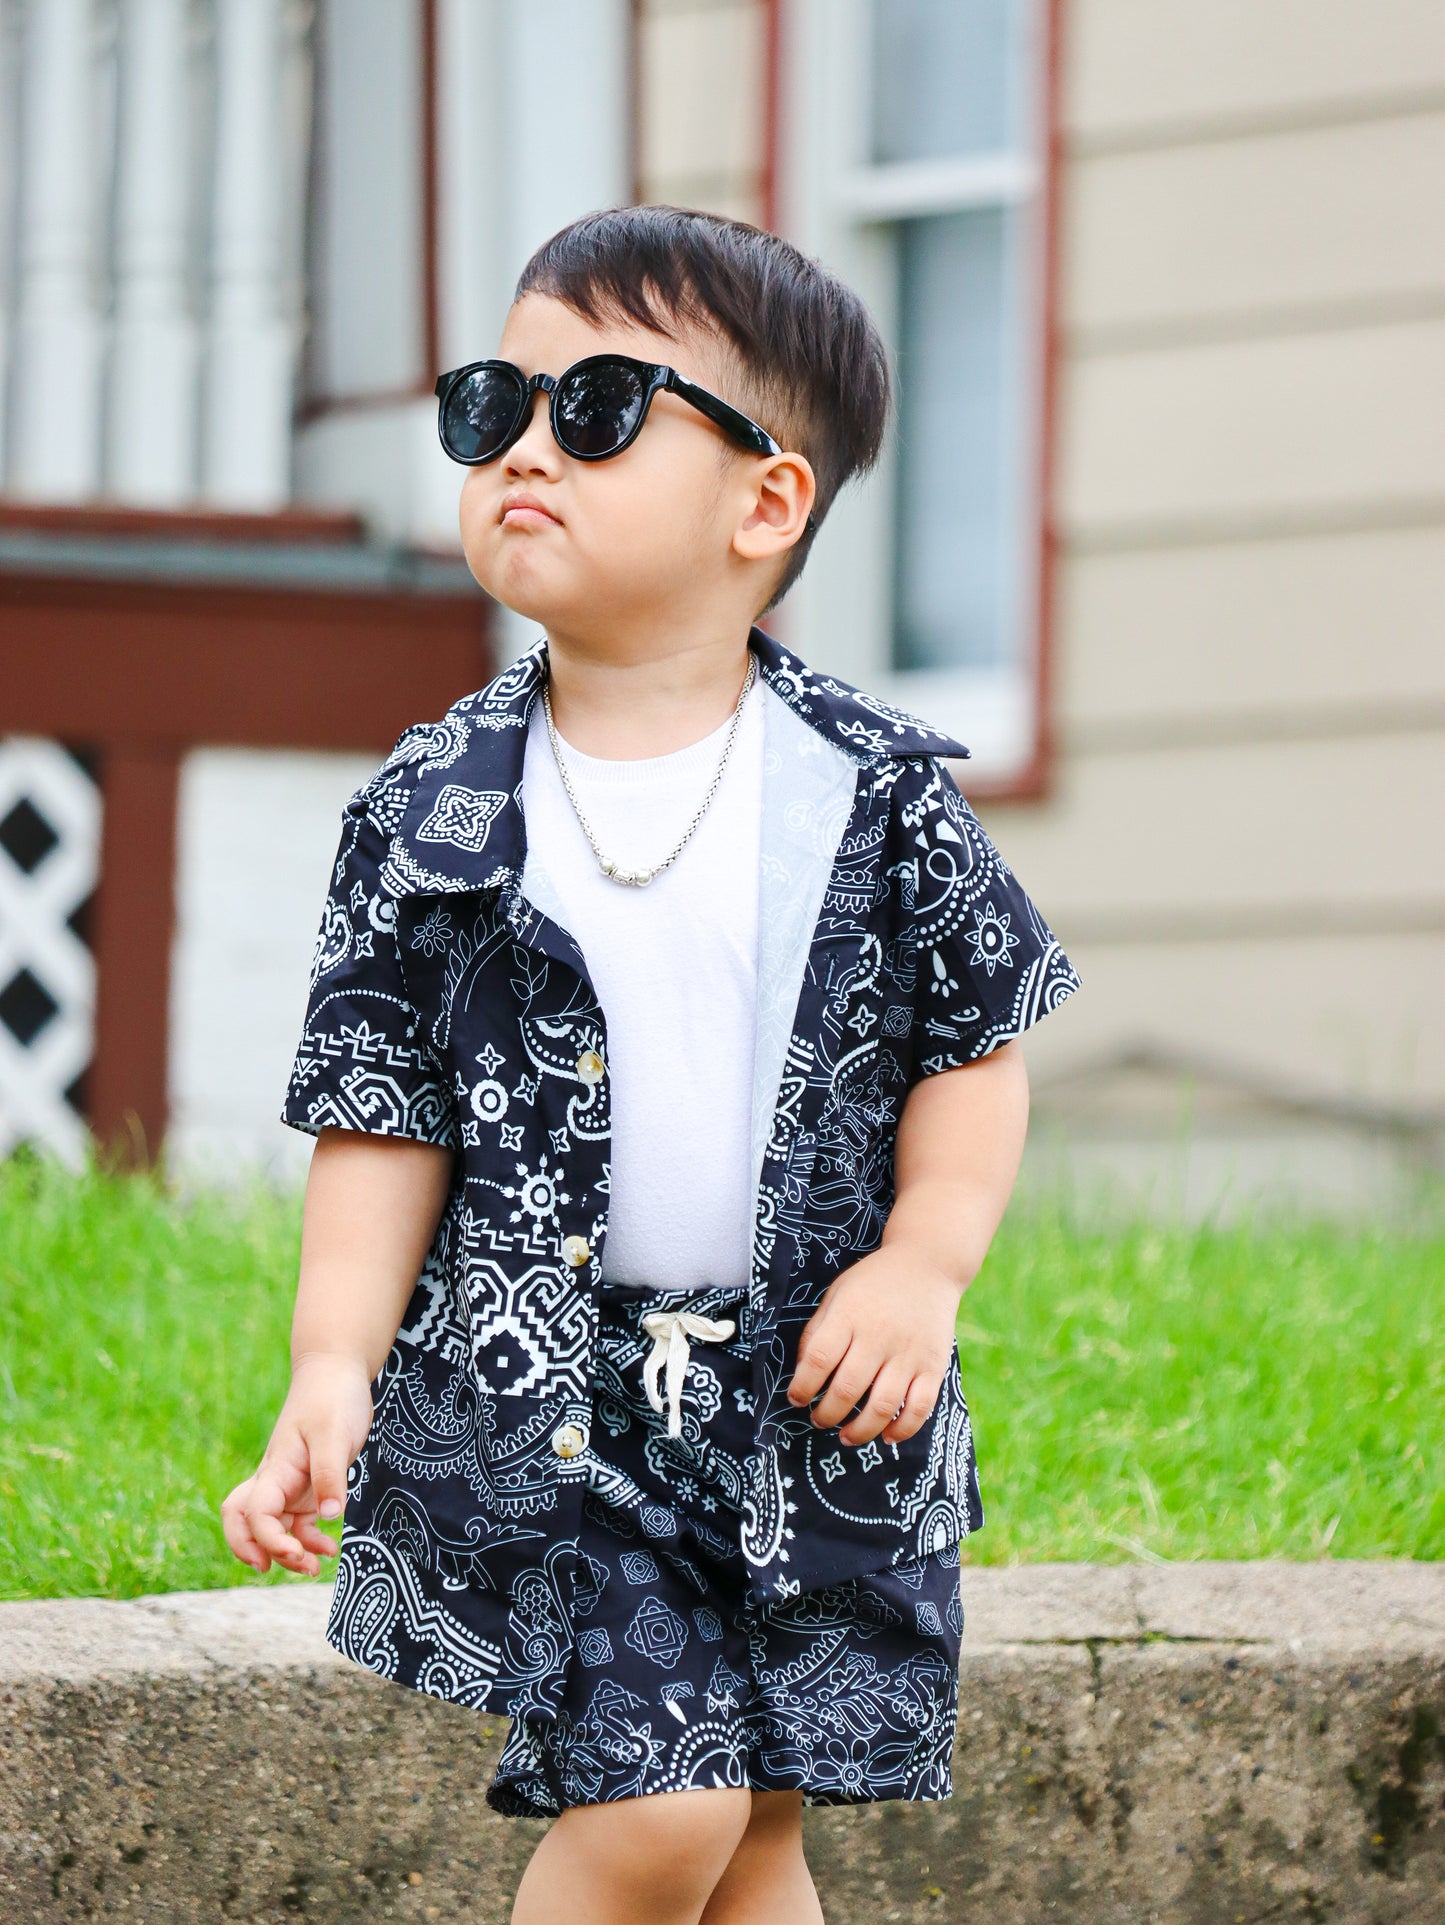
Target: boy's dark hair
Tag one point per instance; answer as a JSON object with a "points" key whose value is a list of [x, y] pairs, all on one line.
{"points": [[810, 364]]}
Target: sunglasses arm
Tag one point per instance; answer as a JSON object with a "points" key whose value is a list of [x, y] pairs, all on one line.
{"points": [[732, 419]]}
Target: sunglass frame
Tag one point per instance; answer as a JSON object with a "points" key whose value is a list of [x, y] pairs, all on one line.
{"points": [[655, 376]]}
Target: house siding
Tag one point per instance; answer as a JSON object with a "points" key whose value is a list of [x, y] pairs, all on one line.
{"points": [[1241, 845]]}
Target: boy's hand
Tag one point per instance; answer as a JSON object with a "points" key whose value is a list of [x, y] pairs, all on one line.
{"points": [[883, 1336], [271, 1517]]}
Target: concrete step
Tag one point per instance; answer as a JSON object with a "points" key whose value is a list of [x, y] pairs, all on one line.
{"points": [[1195, 1742]]}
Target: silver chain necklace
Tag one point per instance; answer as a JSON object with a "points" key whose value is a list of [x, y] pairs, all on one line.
{"points": [[639, 878]]}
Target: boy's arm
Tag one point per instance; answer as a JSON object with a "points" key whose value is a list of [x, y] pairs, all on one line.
{"points": [[372, 1206], [885, 1330]]}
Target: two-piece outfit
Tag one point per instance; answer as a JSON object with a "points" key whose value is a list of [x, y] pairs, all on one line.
{"points": [[647, 1207]]}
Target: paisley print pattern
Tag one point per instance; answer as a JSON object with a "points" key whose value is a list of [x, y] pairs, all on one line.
{"points": [[675, 1678], [446, 1006]]}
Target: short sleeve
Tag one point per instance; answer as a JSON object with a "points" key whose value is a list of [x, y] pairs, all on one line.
{"points": [[364, 1061], [987, 964]]}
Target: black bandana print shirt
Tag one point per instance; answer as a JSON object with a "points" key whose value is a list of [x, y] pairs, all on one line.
{"points": [[448, 1004]]}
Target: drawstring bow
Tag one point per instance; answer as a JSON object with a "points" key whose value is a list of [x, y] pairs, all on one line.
{"points": [[670, 1331]]}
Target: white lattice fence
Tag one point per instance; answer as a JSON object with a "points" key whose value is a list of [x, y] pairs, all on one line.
{"points": [[49, 859]]}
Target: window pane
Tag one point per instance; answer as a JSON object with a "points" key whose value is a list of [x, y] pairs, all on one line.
{"points": [[963, 442], [946, 77]]}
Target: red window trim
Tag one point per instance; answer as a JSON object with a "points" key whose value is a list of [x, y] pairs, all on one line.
{"points": [[1035, 782], [772, 108]]}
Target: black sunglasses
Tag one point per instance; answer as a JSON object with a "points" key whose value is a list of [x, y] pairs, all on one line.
{"points": [[596, 408]]}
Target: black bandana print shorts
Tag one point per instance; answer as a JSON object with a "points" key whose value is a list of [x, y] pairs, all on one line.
{"points": [[675, 1677]]}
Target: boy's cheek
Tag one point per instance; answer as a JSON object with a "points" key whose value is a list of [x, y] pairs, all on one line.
{"points": [[477, 520], [479, 494], [478, 549]]}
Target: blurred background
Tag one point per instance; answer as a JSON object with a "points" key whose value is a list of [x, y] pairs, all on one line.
{"points": [[1161, 534]]}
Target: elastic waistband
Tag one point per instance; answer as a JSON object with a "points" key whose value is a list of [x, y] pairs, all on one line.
{"points": [[658, 1299], [620, 1304]]}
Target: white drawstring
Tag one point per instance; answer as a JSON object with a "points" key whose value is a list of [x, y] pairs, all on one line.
{"points": [[669, 1331]]}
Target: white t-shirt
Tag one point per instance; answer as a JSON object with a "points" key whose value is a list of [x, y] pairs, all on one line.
{"points": [[674, 965]]}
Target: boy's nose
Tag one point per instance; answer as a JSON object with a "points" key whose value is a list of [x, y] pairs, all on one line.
{"points": [[534, 446]]}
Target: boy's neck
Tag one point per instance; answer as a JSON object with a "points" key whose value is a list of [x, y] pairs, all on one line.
{"points": [[649, 693]]}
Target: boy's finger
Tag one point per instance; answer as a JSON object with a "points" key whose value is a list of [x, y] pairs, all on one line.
{"points": [[315, 1540], [847, 1387], [821, 1349], [328, 1480], [241, 1543], [279, 1486], [273, 1537], [916, 1411], [236, 1528], [233, 1518], [269, 1515], [250, 1552], [885, 1399]]}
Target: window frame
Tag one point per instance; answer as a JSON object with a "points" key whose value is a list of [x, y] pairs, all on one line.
{"points": [[318, 396], [835, 202]]}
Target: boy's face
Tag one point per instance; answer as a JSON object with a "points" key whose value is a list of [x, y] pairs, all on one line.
{"points": [[680, 518]]}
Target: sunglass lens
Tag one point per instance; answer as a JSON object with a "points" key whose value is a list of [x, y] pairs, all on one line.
{"points": [[479, 413], [598, 408]]}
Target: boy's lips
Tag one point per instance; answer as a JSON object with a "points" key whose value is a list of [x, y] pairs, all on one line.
{"points": [[526, 511]]}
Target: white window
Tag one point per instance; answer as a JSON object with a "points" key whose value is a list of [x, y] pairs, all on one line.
{"points": [[913, 144]]}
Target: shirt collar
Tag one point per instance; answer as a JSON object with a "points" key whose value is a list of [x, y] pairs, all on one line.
{"points": [[463, 827], [859, 723]]}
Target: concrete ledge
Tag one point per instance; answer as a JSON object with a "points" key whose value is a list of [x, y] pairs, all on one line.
{"points": [[1215, 1742]]}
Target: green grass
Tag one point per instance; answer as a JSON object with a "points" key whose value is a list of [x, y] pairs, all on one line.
{"points": [[1136, 1392], [144, 1352], [1194, 1393]]}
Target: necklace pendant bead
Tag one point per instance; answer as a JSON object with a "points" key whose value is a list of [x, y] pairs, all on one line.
{"points": [[609, 867]]}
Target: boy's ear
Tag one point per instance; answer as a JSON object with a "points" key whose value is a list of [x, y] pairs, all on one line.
{"points": [[784, 489]]}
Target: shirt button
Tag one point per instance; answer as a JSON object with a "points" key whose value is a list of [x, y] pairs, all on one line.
{"points": [[569, 1441], [576, 1251], [590, 1066]]}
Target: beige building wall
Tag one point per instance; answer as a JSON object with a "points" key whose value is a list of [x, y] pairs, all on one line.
{"points": [[701, 102], [1244, 847]]}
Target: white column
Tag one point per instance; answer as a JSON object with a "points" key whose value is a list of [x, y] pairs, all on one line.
{"points": [[151, 453], [583, 162], [9, 182], [246, 428], [55, 388]]}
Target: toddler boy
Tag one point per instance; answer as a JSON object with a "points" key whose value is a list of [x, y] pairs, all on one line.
{"points": [[661, 1051]]}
